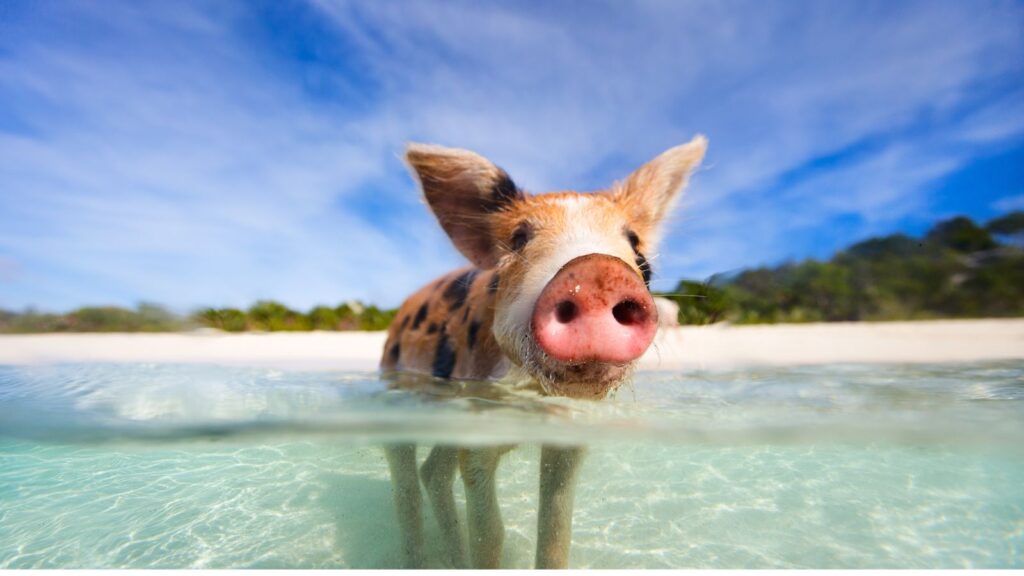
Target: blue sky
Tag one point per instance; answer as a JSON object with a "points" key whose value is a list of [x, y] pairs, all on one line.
{"points": [[214, 153]]}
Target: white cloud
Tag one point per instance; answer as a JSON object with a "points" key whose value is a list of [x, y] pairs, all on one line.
{"points": [[775, 85], [158, 154], [1010, 203], [204, 183]]}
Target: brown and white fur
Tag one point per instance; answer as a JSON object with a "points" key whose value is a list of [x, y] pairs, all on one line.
{"points": [[479, 323]]}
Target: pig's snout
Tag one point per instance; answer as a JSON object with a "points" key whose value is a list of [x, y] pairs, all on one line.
{"points": [[596, 308]]}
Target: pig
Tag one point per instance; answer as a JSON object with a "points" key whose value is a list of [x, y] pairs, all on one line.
{"points": [[556, 299]]}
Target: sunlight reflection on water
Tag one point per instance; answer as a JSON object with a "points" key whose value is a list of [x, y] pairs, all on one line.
{"points": [[139, 465]]}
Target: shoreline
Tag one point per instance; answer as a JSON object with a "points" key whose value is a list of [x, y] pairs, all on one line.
{"points": [[714, 347]]}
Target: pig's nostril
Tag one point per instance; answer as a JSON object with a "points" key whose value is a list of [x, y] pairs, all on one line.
{"points": [[565, 311], [629, 313]]}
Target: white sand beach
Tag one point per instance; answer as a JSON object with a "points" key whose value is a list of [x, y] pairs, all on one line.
{"points": [[684, 348]]}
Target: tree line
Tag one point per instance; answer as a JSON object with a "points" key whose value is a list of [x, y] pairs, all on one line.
{"points": [[264, 316], [958, 269]]}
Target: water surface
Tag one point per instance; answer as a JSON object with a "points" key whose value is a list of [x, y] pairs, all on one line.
{"points": [[845, 466]]}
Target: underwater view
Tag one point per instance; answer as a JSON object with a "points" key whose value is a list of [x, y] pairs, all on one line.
{"points": [[201, 466]]}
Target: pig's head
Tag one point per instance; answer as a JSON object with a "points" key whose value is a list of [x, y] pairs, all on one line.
{"points": [[573, 307]]}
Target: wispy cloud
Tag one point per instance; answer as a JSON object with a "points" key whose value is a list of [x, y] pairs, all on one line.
{"points": [[216, 153], [1010, 203]]}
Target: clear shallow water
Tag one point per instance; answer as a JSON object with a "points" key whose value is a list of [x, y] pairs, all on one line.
{"points": [[138, 465]]}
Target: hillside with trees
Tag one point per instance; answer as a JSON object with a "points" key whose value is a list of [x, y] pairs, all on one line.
{"points": [[959, 269]]}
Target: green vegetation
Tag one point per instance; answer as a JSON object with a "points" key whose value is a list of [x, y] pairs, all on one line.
{"points": [[958, 270], [1009, 228], [144, 318], [265, 315]]}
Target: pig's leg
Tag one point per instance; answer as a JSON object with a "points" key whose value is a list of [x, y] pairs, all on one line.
{"points": [[486, 532], [438, 475], [558, 467], [406, 487]]}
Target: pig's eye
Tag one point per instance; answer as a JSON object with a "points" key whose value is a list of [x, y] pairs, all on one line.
{"points": [[641, 260], [520, 237], [634, 240]]}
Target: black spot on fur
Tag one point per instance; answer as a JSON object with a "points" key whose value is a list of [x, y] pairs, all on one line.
{"points": [[421, 315], [474, 327], [492, 287], [432, 328], [457, 291], [444, 359], [395, 352], [465, 314], [503, 192], [405, 322], [641, 260]]}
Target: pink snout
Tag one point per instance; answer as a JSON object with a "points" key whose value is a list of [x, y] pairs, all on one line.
{"points": [[595, 309]]}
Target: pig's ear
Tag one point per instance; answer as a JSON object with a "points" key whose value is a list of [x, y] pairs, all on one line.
{"points": [[463, 188], [649, 193]]}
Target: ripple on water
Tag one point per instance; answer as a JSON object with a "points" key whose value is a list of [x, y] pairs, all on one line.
{"points": [[210, 467]]}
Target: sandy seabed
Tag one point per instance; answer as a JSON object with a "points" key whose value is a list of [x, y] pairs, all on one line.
{"points": [[683, 348]]}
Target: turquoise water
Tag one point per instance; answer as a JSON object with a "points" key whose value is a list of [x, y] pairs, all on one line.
{"points": [[180, 466]]}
